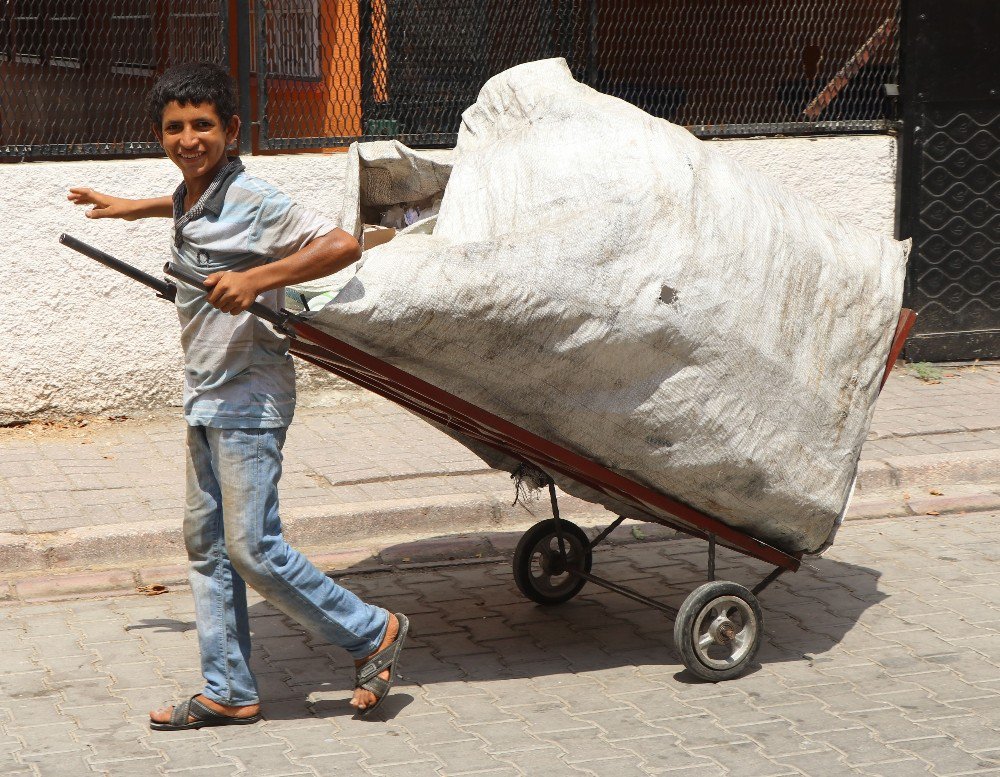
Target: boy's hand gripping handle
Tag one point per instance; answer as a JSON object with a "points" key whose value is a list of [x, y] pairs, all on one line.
{"points": [[278, 320]]}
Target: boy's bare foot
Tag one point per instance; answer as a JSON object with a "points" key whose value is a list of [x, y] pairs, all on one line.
{"points": [[162, 715], [363, 698]]}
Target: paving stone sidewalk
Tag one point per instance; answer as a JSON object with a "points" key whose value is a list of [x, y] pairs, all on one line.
{"points": [[881, 658], [360, 466]]}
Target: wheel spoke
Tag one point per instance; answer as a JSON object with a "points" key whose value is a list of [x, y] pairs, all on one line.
{"points": [[547, 550]]}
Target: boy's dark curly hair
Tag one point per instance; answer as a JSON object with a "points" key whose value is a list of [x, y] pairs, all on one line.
{"points": [[193, 83]]}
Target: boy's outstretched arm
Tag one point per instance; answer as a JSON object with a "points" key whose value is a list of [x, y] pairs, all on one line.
{"points": [[233, 292], [108, 207]]}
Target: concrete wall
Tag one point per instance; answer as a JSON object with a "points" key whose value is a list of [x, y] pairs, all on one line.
{"points": [[78, 338]]}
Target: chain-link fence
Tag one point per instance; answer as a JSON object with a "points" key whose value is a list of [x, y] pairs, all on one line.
{"points": [[74, 75], [323, 73], [407, 68]]}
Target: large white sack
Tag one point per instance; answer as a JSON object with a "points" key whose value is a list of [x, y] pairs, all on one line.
{"points": [[609, 282]]}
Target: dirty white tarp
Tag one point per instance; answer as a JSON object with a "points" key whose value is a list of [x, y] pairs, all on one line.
{"points": [[609, 282]]}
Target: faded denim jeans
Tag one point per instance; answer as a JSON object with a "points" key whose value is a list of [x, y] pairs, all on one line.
{"points": [[233, 534]]}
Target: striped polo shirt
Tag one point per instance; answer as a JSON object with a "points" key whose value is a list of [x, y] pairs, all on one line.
{"points": [[237, 370]]}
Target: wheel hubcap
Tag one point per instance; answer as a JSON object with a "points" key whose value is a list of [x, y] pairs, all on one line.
{"points": [[550, 567], [725, 632], [554, 563]]}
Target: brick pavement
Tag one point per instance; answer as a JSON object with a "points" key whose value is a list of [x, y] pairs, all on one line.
{"points": [[358, 466], [960, 413], [880, 658]]}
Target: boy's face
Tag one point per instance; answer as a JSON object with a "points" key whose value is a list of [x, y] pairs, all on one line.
{"points": [[195, 138]]}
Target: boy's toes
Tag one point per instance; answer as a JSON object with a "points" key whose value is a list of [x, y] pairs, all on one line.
{"points": [[364, 698]]}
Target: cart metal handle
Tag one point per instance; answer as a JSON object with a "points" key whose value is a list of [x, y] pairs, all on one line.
{"points": [[164, 289], [279, 320]]}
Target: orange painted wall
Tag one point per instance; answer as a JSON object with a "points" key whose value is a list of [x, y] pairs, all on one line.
{"points": [[331, 105]]}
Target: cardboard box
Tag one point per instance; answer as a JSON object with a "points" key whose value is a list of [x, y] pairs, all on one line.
{"points": [[376, 236]]}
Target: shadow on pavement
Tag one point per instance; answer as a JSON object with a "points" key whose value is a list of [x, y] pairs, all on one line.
{"points": [[469, 623]]}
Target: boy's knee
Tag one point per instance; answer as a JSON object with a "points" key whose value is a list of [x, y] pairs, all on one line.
{"points": [[249, 563]]}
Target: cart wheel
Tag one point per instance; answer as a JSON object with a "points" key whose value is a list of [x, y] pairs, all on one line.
{"points": [[539, 567], [718, 630]]}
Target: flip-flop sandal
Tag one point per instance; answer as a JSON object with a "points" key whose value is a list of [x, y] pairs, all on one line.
{"points": [[203, 717], [387, 658]]}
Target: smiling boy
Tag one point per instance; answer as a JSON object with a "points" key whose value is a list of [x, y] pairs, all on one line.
{"points": [[247, 241]]}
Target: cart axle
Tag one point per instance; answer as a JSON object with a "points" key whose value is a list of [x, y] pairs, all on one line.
{"points": [[626, 592]]}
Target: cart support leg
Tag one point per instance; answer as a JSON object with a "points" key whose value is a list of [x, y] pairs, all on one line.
{"points": [[555, 517], [711, 558], [768, 580], [603, 535]]}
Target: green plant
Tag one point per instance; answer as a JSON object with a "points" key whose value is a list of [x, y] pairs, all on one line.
{"points": [[926, 372]]}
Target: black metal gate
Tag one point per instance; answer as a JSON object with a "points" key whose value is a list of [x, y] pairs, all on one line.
{"points": [[950, 177]]}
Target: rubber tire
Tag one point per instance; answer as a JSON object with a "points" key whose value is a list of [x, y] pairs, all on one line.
{"points": [[573, 535], [684, 635]]}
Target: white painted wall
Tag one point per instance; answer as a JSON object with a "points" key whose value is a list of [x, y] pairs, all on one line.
{"points": [[78, 338]]}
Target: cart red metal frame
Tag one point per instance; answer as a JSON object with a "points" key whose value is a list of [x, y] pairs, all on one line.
{"points": [[718, 628]]}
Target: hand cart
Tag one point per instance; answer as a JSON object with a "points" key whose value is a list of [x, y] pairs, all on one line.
{"points": [[719, 626]]}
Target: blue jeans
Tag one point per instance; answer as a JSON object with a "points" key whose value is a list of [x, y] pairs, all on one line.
{"points": [[233, 534]]}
